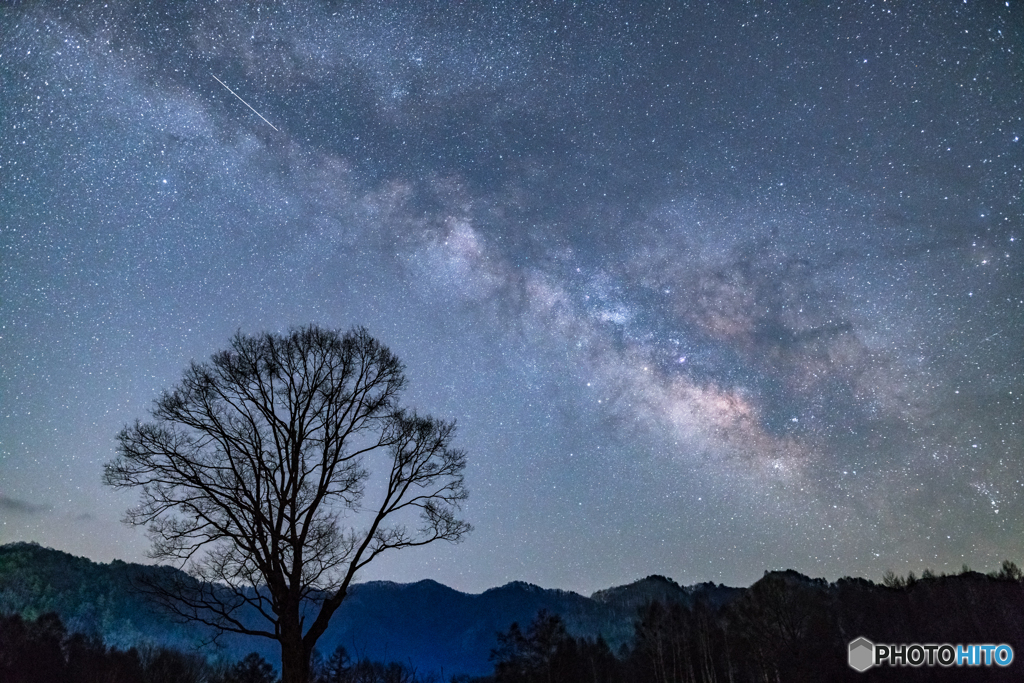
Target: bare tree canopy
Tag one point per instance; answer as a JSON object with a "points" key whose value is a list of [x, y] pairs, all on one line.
{"points": [[254, 477]]}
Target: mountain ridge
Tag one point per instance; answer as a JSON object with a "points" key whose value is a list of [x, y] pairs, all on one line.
{"points": [[432, 625]]}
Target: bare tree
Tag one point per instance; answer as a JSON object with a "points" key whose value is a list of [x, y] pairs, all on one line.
{"points": [[254, 477]]}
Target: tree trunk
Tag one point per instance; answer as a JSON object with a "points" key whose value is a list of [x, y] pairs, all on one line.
{"points": [[294, 656]]}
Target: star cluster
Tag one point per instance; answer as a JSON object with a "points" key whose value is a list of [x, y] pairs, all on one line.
{"points": [[711, 288]]}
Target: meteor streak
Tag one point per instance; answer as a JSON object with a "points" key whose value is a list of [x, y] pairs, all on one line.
{"points": [[246, 103]]}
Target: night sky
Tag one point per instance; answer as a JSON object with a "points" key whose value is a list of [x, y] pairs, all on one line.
{"points": [[710, 288]]}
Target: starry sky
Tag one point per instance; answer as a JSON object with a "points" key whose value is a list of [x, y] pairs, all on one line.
{"points": [[710, 287]]}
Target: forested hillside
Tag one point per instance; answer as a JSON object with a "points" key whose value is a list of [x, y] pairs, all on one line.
{"points": [[425, 622], [785, 627], [90, 598]]}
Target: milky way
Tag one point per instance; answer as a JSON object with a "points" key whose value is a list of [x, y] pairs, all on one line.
{"points": [[709, 290]]}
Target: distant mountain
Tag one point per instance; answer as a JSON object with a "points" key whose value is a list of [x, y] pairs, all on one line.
{"points": [[436, 627], [426, 623], [633, 596]]}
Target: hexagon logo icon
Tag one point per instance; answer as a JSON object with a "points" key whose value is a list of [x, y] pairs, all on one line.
{"points": [[862, 654]]}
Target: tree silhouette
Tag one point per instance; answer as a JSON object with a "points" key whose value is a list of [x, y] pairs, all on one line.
{"points": [[535, 655], [254, 475], [337, 667], [251, 669]]}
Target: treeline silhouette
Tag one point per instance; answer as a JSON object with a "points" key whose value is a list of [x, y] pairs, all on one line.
{"points": [[43, 650], [785, 627]]}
